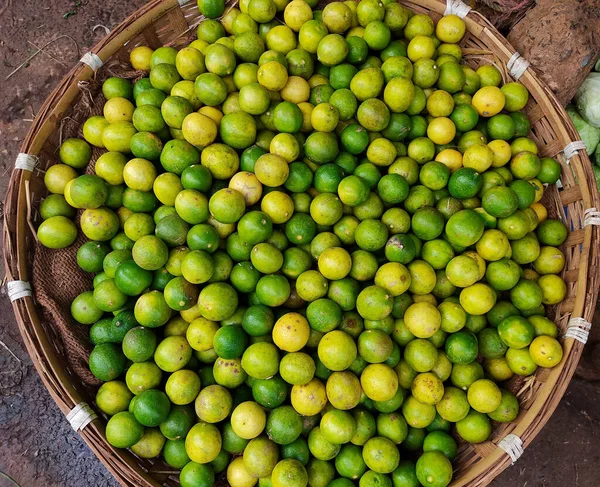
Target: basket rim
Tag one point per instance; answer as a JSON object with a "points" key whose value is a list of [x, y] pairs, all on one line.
{"points": [[59, 382]]}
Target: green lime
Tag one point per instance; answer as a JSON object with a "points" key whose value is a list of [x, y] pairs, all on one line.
{"points": [[516, 332], [526, 295], [139, 344], [465, 183], [434, 469], [195, 474], [500, 201], [442, 442], [503, 274], [461, 347], [272, 290], [525, 192], [427, 223], [327, 178], [123, 430], [107, 361], [552, 232], [522, 124], [475, 427], [464, 228], [322, 147], [56, 205]]}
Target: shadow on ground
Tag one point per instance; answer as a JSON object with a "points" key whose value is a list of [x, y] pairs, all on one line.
{"points": [[37, 445]]}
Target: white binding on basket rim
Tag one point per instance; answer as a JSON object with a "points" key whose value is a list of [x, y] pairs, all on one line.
{"points": [[457, 7], [517, 65], [578, 329], [92, 60], [18, 290], [80, 416], [513, 446], [572, 148], [183, 2], [591, 216], [26, 162]]}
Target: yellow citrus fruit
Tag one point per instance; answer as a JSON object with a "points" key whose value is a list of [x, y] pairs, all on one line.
{"points": [[540, 211], [478, 157], [550, 261], [247, 184], [425, 298], [213, 404], [477, 299], [546, 351], [553, 287], [502, 152], [539, 189], [484, 396], [296, 14], [200, 334], [440, 104], [334, 263], [420, 47], [139, 174], [238, 476], [324, 117], [199, 130], [498, 369], [451, 158], [337, 17], [343, 390], [203, 443], [296, 90], [93, 128], [271, 170], [393, 277], [58, 176], [166, 187], [427, 388], [422, 319], [441, 130], [493, 245], [248, 420], [272, 75], [488, 101], [211, 112], [278, 205], [309, 399], [199, 45], [523, 144], [379, 382], [286, 146], [337, 350], [118, 110], [306, 109], [190, 63], [291, 332], [139, 58], [450, 29], [381, 152], [317, 79]]}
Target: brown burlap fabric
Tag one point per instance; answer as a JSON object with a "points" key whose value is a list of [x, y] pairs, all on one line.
{"points": [[57, 280]]}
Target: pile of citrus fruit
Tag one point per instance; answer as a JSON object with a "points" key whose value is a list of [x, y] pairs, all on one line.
{"points": [[318, 246]]}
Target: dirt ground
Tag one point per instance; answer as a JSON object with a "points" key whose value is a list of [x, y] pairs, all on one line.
{"points": [[37, 445]]}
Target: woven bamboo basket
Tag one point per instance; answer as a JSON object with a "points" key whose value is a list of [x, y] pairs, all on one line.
{"points": [[56, 278]]}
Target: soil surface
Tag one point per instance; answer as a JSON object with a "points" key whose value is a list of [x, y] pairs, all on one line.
{"points": [[37, 445]]}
